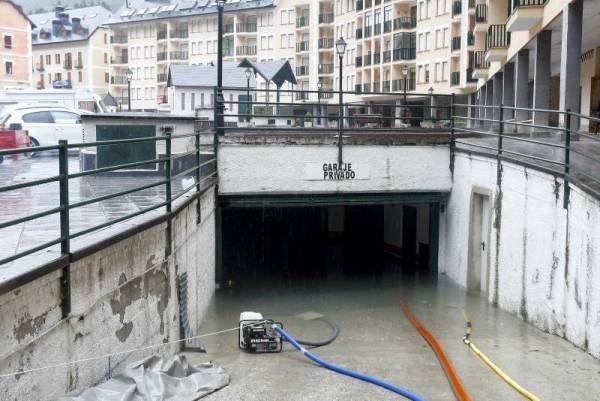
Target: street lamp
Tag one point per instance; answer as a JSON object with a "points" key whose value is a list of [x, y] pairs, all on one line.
{"points": [[340, 49], [248, 73], [319, 87], [430, 91], [405, 74], [220, 101], [129, 76]]}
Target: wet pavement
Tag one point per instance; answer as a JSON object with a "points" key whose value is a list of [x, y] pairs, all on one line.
{"points": [[27, 201], [376, 338]]}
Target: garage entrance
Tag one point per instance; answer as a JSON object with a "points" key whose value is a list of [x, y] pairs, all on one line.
{"points": [[322, 236]]}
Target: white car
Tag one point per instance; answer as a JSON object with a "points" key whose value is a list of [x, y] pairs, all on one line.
{"points": [[46, 124]]}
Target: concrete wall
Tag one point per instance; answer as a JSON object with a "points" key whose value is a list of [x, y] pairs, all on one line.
{"points": [[276, 168], [123, 297], [541, 256]]}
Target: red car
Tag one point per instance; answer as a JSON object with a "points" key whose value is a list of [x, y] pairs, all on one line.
{"points": [[13, 139]]}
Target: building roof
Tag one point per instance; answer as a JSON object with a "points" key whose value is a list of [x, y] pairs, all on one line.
{"points": [[90, 19], [205, 76], [144, 10], [20, 10], [277, 71]]}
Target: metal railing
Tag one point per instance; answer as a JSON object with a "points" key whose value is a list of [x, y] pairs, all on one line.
{"points": [[325, 43], [118, 80], [119, 59], [456, 7], [302, 21], [245, 27], [302, 46], [162, 77], [368, 31], [245, 50], [481, 13], [161, 35], [119, 39], [201, 171], [359, 5], [178, 55], [326, 18], [407, 53], [228, 28], [359, 33], [479, 60], [408, 22], [514, 4], [455, 43], [326, 68], [179, 34], [302, 70], [398, 85], [497, 36], [455, 78], [387, 56]]}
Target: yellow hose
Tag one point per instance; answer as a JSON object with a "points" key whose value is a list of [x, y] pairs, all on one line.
{"points": [[492, 366]]}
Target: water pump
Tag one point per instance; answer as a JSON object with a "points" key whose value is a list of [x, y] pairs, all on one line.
{"points": [[257, 335]]}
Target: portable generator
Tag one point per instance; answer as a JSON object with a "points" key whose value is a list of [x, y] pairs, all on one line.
{"points": [[257, 335]]}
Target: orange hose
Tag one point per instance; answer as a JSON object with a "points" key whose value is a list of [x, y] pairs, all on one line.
{"points": [[455, 383]]}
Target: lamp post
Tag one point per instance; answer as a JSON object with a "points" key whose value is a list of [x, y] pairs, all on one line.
{"points": [[248, 73], [404, 74], [340, 48], [319, 87], [430, 91], [129, 76], [220, 106]]}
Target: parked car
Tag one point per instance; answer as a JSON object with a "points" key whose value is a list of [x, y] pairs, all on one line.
{"points": [[62, 84], [46, 124]]}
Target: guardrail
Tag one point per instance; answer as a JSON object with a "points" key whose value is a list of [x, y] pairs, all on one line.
{"points": [[202, 173]]}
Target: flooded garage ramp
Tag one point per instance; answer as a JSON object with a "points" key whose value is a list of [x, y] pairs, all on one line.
{"points": [[289, 238]]}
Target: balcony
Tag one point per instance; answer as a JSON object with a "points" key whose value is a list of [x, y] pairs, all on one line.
{"points": [[39, 66], [245, 50], [325, 68], [302, 22], [377, 29], [456, 8], [387, 26], [301, 70], [480, 18], [376, 58], [376, 87], [407, 53], [366, 88], [161, 35], [497, 41], [301, 95], [405, 23], [455, 78], [387, 56], [367, 60], [359, 5], [119, 39], [524, 14], [228, 28], [358, 62], [357, 88], [326, 43], [161, 78], [328, 94], [480, 65], [118, 80], [178, 55], [359, 33], [161, 56], [326, 18], [123, 59], [179, 34], [302, 46], [399, 85], [245, 27], [455, 43], [386, 86], [368, 31]]}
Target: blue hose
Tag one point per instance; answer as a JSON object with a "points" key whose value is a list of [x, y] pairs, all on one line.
{"points": [[357, 375]]}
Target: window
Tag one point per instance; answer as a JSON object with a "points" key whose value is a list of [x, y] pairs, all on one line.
{"points": [[426, 79], [58, 76], [105, 38], [65, 117], [202, 100], [68, 75], [57, 58], [427, 40], [284, 17], [8, 41], [446, 37], [48, 59], [284, 43], [105, 58], [39, 117], [193, 101], [8, 67], [182, 101]]}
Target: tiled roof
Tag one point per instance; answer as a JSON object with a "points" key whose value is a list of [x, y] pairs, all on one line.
{"points": [[91, 18]]}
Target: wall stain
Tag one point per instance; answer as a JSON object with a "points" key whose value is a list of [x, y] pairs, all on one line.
{"points": [[589, 253], [157, 284], [28, 326], [556, 190], [552, 275], [497, 226], [129, 292], [73, 379], [567, 253], [523, 308]]}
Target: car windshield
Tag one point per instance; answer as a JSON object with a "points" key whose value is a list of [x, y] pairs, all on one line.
{"points": [[4, 116]]}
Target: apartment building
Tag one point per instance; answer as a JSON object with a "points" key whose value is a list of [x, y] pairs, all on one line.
{"points": [[71, 49], [15, 49]]}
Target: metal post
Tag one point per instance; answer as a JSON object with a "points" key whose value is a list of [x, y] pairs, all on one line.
{"points": [[219, 98], [129, 95], [215, 122], [198, 177], [249, 107], [500, 132], [167, 133], [65, 246], [452, 134], [404, 101], [567, 190], [319, 105], [341, 114]]}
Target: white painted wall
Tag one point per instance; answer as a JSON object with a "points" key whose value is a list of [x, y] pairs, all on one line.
{"points": [[542, 258], [276, 168]]}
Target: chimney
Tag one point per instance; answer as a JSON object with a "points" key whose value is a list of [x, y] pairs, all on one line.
{"points": [[56, 25], [76, 24], [64, 18], [58, 10]]}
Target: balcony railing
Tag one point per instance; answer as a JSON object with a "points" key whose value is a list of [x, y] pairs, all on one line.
{"points": [[161, 35], [470, 38], [386, 86], [514, 4], [119, 39], [455, 78], [480, 13], [399, 85], [456, 43], [245, 27], [118, 80], [162, 77], [405, 23], [358, 88], [479, 60], [178, 55], [472, 3], [497, 36], [161, 56], [228, 28], [302, 46], [358, 62], [119, 59], [377, 29], [179, 34], [368, 31], [302, 21], [367, 60], [387, 26], [376, 58], [301, 95], [407, 53], [245, 50], [228, 52], [456, 7], [376, 87], [470, 75], [326, 18], [367, 87], [325, 68], [359, 33], [301, 70], [359, 5], [326, 43], [387, 56]]}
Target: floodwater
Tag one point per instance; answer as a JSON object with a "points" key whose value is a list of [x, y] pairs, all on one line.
{"points": [[377, 339]]}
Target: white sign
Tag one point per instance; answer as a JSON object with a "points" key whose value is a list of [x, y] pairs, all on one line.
{"points": [[336, 172]]}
